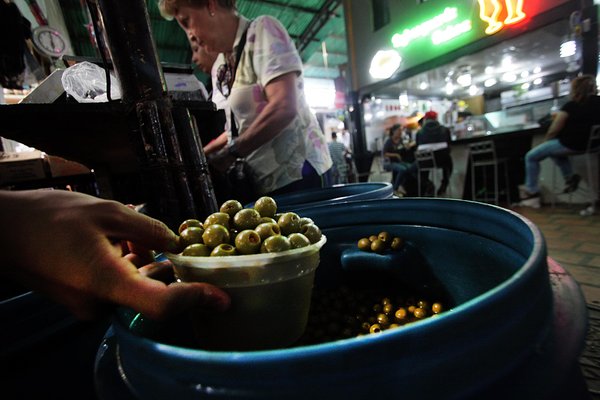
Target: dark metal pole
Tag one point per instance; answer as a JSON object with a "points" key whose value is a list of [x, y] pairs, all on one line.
{"points": [[143, 87]]}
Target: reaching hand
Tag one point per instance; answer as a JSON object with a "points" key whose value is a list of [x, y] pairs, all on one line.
{"points": [[84, 252]]}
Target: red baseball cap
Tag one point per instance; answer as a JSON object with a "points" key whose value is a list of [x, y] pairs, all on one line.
{"points": [[430, 115]]}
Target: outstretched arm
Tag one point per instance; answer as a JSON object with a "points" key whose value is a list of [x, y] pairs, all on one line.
{"points": [[84, 252]]}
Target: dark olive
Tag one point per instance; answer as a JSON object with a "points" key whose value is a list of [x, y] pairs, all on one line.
{"points": [[397, 243], [400, 314], [267, 229], [222, 250], [364, 244], [231, 207], [420, 313], [436, 308], [298, 240], [197, 250], [384, 236], [378, 246], [266, 206], [189, 222], [248, 242], [289, 222], [275, 244], [248, 218], [312, 232], [191, 235], [220, 218], [214, 235]]}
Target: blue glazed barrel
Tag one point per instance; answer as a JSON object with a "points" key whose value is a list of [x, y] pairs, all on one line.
{"points": [[296, 201], [510, 331]]}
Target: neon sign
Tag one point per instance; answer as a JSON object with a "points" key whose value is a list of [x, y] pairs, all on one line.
{"points": [[443, 27], [489, 11], [427, 28]]}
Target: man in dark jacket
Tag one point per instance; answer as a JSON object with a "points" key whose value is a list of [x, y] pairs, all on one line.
{"points": [[433, 132]]}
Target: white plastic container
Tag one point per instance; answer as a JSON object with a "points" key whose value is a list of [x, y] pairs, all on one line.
{"points": [[270, 297]]}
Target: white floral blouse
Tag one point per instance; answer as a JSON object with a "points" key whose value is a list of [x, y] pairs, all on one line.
{"points": [[269, 53]]}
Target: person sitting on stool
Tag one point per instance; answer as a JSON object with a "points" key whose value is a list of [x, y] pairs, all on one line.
{"points": [[568, 134], [393, 149], [433, 132]]}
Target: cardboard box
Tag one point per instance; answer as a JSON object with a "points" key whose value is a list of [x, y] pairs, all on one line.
{"points": [[24, 166]]}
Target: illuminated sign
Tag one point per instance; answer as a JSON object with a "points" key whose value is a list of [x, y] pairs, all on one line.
{"points": [[445, 27], [489, 12]]}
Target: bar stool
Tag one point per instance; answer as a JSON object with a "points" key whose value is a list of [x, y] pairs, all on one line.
{"points": [[425, 160], [483, 157], [593, 147]]}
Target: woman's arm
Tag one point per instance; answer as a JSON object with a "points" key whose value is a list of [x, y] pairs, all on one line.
{"points": [[279, 112], [558, 123]]}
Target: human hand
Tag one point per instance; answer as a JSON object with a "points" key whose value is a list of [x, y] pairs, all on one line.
{"points": [[221, 160], [79, 250]]}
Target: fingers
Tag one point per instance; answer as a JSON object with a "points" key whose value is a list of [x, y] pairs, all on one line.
{"points": [[158, 301]]}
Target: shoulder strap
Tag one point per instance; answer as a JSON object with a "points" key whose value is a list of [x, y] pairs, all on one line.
{"points": [[238, 55]]}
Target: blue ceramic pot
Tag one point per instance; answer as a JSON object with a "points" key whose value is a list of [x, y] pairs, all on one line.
{"points": [[296, 201], [502, 335]]}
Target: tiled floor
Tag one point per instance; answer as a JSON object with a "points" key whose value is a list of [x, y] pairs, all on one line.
{"points": [[574, 242]]}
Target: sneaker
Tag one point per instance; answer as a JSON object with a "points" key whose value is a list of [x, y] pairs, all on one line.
{"points": [[532, 200], [401, 190], [572, 183]]}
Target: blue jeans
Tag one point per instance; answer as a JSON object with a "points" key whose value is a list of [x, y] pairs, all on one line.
{"points": [[551, 148], [310, 180], [400, 170]]}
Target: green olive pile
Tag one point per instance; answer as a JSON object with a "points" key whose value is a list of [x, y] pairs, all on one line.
{"points": [[344, 313], [235, 230], [380, 243]]}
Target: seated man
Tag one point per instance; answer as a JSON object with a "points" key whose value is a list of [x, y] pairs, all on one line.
{"points": [[433, 132]]}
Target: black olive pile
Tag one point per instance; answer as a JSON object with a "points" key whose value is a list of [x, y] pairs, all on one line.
{"points": [[343, 313], [235, 230], [380, 243]]}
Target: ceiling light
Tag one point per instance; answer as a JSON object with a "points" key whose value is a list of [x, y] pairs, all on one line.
{"points": [[525, 86], [384, 64], [507, 61], [423, 85], [449, 88], [509, 77], [524, 74], [568, 49], [489, 70], [537, 70], [473, 90], [537, 81], [490, 82], [464, 80]]}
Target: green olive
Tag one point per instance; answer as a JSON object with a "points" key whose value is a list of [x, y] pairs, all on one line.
{"points": [[220, 218], [378, 246], [289, 222], [191, 235], [397, 243], [266, 206], [231, 207], [187, 223], [197, 250], [267, 229], [312, 232], [264, 220], [222, 250], [306, 220], [364, 244], [248, 242], [298, 240], [248, 218], [214, 235], [275, 244], [373, 238]]}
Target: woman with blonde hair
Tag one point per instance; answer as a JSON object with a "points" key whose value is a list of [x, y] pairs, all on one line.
{"points": [[260, 74], [568, 134]]}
